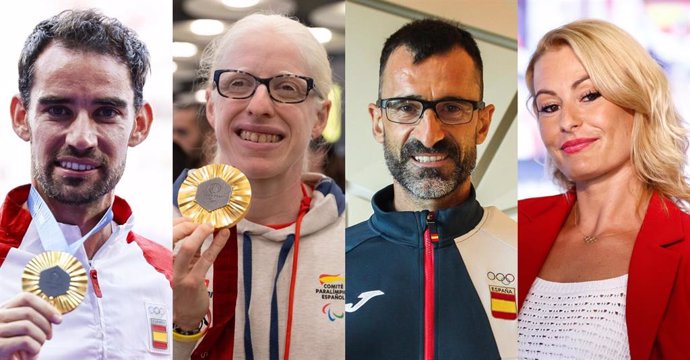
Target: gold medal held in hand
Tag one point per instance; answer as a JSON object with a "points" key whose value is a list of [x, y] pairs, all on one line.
{"points": [[58, 278], [215, 194]]}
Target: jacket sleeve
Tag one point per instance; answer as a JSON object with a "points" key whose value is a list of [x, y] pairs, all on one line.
{"points": [[183, 350]]}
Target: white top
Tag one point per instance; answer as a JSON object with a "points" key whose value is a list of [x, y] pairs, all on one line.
{"points": [[583, 320], [118, 323], [489, 253]]}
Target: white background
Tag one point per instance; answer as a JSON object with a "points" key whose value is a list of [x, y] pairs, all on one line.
{"points": [[147, 183]]}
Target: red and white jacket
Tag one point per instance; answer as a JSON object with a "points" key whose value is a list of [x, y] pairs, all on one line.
{"points": [[126, 313]]}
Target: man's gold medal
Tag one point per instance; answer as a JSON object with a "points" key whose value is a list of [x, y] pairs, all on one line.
{"points": [[57, 277]]}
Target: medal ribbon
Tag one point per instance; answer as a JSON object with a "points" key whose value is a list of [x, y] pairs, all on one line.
{"points": [[49, 231]]}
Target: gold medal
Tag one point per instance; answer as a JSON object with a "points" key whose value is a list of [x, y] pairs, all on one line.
{"points": [[58, 278], [215, 194]]}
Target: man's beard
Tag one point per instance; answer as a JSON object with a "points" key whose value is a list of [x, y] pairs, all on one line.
{"points": [[430, 183], [77, 190]]}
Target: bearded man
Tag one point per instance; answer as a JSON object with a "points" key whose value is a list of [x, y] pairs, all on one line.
{"points": [[75, 281], [431, 275]]}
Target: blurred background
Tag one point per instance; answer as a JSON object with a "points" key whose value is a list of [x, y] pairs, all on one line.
{"points": [[493, 23], [145, 184], [197, 22], [661, 26]]}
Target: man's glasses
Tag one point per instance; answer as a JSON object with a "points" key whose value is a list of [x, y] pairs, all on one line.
{"points": [[451, 111], [283, 88]]}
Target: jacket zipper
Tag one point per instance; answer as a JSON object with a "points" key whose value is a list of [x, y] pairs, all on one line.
{"points": [[430, 237], [93, 274], [94, 282]]}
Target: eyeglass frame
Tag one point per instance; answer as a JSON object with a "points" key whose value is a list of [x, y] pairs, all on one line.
{"points": [[429, 104], [311, 85]]}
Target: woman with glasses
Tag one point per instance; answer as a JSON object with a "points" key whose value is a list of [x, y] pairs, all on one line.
{"points": [[277, 291], [604, 269]]}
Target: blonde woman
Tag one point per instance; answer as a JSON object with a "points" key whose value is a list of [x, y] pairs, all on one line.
{"points": [[266, 99], [604, 269]]}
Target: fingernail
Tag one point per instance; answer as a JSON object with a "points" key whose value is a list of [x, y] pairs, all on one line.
{"points": [[56, 318]]}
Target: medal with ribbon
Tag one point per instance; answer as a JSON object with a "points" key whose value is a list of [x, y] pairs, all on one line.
{"points": [[56, 275]]}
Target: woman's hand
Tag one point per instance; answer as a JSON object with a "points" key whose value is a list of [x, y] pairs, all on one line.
{"points": [[190, 265], [26, 323]]}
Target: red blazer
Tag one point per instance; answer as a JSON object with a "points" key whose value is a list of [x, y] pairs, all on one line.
{"points": [[658, 298]]}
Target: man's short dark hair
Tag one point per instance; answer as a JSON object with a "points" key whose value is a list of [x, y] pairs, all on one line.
{"points": [[428, 37], [200, 109], [87, 31]]}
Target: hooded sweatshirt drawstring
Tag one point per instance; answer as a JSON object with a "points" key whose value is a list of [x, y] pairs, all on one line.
{"points": [[290, 241]]}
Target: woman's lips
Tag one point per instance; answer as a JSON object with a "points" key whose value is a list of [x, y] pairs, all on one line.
{"points": [[258, 137], [576, 145]]}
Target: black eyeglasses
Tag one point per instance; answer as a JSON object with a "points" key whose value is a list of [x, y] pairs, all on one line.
{"points": [[283, 88], [451, 111]]}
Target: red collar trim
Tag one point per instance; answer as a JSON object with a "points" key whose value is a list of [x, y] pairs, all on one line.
{"points": [[15, 219]]}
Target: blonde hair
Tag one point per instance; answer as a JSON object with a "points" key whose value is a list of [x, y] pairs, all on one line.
{"points": [[625, 74], [313, 55]]}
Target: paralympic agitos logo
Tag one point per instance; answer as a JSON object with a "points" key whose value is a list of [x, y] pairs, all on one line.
{"points": [[332, 288]]}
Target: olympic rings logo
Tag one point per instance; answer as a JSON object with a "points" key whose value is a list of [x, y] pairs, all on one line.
{"points": [[156, 310], [505, 279]]}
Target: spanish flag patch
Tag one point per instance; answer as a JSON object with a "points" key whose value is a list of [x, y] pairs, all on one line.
{"points": [[503, 302], [159, 335]]}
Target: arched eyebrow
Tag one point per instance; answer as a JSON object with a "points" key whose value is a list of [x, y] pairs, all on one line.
{"points": [[579, 81], [544, 92], [575, 84]]}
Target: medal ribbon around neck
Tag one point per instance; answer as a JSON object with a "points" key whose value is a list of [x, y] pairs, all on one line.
{"points": [[56, 275], [49, 231]]}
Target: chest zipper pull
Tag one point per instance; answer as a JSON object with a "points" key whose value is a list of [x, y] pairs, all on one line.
{"points": [[431, 226], [430, 237], [94, 282]]}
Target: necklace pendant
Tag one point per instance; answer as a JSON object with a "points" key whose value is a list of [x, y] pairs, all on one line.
{"points": [[590, 239]]}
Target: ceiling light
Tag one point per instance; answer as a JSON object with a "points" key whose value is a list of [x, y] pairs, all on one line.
{"points": [[184, 49], [331, 133], [206, 27], [241, 4], [200, 95], [322, 35]]}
